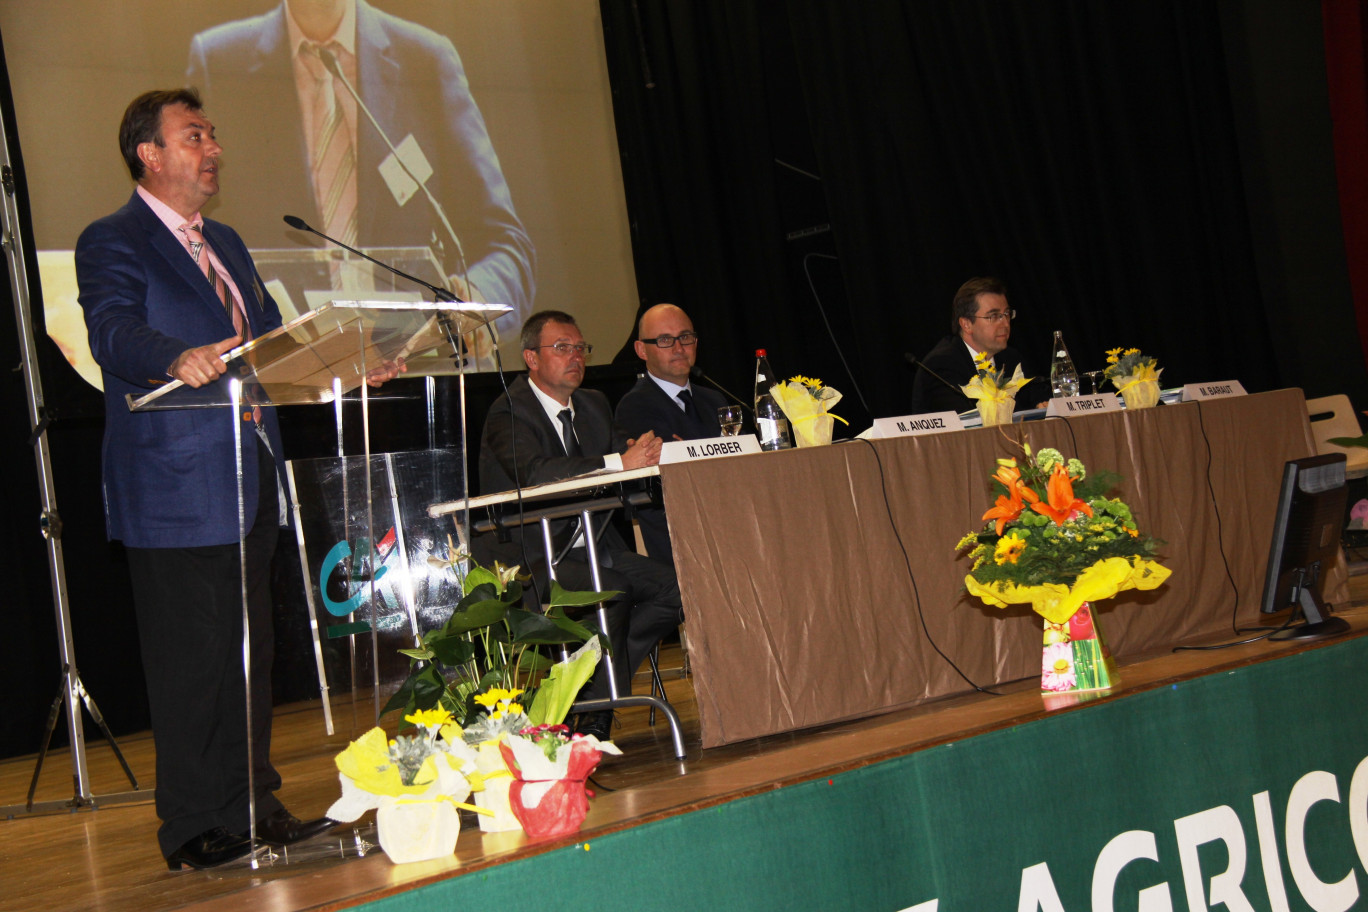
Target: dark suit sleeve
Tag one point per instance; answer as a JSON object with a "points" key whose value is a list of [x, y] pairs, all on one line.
{"points": [[499, 254], [113, 280], [936, 397], [929, 394], [636, 414]]}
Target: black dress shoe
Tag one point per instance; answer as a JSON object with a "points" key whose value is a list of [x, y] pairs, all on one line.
{"points": [[598, 724], [283, 828], [209, 849]]}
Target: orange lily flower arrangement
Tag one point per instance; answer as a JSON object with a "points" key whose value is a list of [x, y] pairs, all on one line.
{"points": [[1060, 503], [1054, 539], [1010, 505]]}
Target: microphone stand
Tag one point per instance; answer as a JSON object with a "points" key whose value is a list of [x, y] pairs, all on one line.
{"points": [[442, 294], [914, 361], [696, 373]]}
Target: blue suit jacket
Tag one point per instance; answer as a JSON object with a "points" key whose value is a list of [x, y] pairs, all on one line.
{"points": [[169, 476], [245, 70]]}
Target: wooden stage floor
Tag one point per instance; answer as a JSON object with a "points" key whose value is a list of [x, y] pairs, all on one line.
{"points": [[107, 859]]}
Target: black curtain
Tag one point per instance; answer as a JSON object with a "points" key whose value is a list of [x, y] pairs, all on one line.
{"points": [[1086, 153]]}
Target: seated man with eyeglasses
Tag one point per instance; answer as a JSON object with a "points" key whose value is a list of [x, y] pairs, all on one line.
{"points": [[546, 428], [666, 403], [980, 321]]}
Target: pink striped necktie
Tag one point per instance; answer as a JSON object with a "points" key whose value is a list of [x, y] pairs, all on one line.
{"points": [[194, 239], [333, 156]]}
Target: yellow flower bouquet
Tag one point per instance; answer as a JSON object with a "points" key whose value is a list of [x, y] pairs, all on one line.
{"points": [[806, 404], [1053, 540], [996, 394], [415, 784], [1135, 376]]}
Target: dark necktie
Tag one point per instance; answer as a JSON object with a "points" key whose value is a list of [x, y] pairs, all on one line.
{"points": [[572, 447], [690, 409]]}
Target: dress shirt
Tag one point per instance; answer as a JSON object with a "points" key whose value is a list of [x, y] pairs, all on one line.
{"points": [[672, 389], [992, 360], [306, 85], [611, 461], [173, 221]]}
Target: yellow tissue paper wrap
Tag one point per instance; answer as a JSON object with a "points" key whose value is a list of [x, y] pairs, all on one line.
{"points": [[995, 402], [808, 415], [1057, 603], [1140, 389]]}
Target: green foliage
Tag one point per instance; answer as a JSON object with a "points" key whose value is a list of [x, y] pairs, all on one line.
{"points": [[490, 640], [1039, 550]]}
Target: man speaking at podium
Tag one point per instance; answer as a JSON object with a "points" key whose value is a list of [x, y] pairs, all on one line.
{"points": [[546, 428], [165, 294]]}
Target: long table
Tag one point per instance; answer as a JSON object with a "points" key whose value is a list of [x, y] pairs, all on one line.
{"points": [[822, 584]]}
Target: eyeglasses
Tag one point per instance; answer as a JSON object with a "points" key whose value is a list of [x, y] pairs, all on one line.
{"points": [[685, 338], [996, 316], [565, 348]]}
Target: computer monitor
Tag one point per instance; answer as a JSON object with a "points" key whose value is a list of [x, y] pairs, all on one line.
{"points": [[1306, 540]]}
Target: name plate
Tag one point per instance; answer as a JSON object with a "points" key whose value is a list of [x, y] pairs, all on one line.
{"points": [[707, 448], [1218, 390], [912, 425], [1073, 406]]}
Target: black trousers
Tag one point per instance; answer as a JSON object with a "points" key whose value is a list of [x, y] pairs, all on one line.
{"points": [[189, 608]]}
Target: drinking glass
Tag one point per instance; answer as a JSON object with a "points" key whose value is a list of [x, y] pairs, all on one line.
{"points": [[729, 416]]}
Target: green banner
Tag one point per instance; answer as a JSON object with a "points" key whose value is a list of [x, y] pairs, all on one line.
{"points": [[1240, 791]]}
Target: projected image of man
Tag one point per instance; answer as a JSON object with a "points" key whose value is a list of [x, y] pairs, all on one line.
{"points": [[275, 77]]}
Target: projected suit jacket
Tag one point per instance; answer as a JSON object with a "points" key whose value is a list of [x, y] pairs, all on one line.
{"points": [[169, 476], [413, 82]]}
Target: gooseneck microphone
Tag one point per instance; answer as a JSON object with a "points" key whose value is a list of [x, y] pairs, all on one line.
{"points": [[917, 362], [696, 373], [442, 294], [330, 63]]}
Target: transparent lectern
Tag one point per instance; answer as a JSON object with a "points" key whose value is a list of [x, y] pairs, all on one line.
{"points": [[315, 359]]}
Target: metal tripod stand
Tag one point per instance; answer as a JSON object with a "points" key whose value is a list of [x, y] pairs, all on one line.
{"points": [[71, 692]]}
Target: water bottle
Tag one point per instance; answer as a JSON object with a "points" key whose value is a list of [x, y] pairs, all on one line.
{"points": [[770, 424], [1063, 377]]}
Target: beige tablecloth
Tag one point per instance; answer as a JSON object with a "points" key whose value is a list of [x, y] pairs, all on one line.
{"points": [[821, 584]]}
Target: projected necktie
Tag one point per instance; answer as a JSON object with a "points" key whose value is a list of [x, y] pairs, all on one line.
{"points": [[333, 156]]}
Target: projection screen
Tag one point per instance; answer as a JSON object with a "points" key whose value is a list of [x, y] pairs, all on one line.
{"points": [[501, 108]]}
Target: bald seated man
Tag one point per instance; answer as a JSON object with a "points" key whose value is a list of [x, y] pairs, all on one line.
{"points": [[666, 403]]}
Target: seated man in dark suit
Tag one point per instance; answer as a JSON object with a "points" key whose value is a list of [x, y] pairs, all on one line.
{"points": [[980, 321], [666, 403], [546, 429]]}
